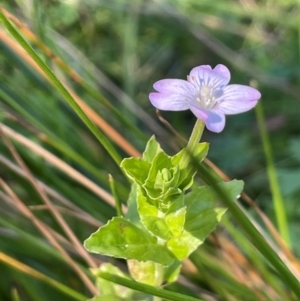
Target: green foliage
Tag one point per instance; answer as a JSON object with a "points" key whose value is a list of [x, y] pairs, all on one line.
{"points": [[161, 231], [160, 176], [122, 239]]}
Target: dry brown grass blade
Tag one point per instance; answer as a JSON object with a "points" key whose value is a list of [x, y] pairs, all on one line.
{"points": [[54, 194], [68, 212], [59, 238], [242, 270], [99, 121], [180, 140], [56, 214], [41, 227], [230, 259], [58, 163]]}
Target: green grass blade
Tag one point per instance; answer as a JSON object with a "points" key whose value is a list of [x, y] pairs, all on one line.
{"points": [[42, 277], [253, 234], [272, 175], [168, 295], [56, 82]]}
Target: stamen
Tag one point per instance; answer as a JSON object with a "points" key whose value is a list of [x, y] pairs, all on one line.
{"points": [[205, 97], [205, 91]]}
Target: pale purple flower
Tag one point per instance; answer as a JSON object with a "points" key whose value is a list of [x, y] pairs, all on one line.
{"points": [[207, 94]]}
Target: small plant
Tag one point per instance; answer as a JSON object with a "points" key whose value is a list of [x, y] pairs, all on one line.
{"points": [[169, 215]]}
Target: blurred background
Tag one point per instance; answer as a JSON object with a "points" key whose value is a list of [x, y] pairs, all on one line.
{"points": [[109, 54]]}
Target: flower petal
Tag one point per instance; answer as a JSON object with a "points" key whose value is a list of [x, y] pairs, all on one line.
{"points": [[205, 76], [222, 71], [238, 99], [168, 102], [214, 119], [175, 94], [200, 75], [199, 113], [174, 86], [200, 69]]}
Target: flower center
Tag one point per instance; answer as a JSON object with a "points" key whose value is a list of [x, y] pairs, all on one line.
{"points": [[206, 98]]}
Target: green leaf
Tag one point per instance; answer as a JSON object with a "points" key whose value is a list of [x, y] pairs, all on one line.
{"points": [[202, 216], [158, 197], [136, 169], [152, 273], [166, 178], [132, 214], [177, 157], [151, 150], [161, 161], [172, 271], [183, 245], [203, 213], [110, 289], [175, 216], [122, 239], [234, 188], [152, 218], [200, 223], [143, 271], [163, 178], [175, 221], [187, 174], [200, 153], [113, 291]]}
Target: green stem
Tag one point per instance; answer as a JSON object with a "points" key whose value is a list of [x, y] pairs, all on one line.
{"points": [[274, 185], [148, 289], [192, 143], [253, 234], [56, 83]]}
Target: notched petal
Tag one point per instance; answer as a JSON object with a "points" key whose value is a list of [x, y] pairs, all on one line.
{"points": [[206, 76], [201, 68], [222, 71]]}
